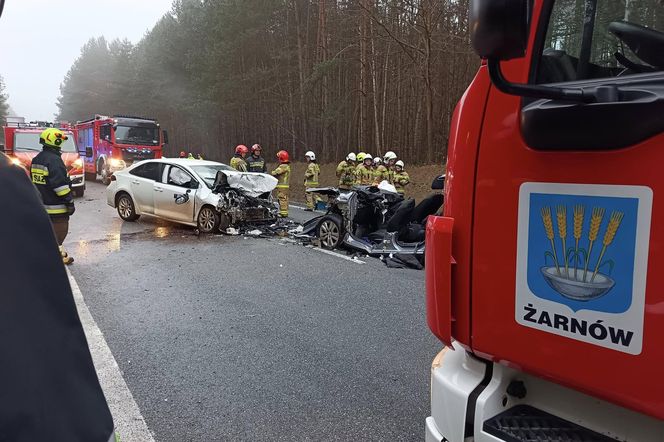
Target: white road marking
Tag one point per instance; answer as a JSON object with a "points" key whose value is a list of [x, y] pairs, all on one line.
{"points": [[338, 255], [129, 423]]}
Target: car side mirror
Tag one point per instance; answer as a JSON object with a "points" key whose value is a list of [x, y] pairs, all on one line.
{"points": [[2, 147], [88, 152], [438, 182]]}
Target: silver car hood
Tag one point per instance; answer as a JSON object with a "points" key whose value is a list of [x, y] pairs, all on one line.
{"points": [[251, 183]]}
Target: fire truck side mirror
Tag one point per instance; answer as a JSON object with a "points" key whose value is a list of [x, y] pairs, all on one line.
{"points": [[2, 147], [88, 152], [165, 137], [499, 28]]}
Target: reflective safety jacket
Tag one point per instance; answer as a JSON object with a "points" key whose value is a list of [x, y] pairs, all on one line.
{"points": [[311, 175], [364, 175], [282, 173], [256, 164], [238, 163], [49, 175], [381, 174], [346, 174], [401, 180]]}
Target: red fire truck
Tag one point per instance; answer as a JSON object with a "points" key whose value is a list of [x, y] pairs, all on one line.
{"points": [[543, 274], [22, 145], [113, 143]]}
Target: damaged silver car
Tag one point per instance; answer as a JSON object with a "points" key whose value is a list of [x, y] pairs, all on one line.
{"points": [[209, 195]]}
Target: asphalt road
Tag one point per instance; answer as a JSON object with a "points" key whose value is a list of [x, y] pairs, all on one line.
{"points": [[234, 338]]}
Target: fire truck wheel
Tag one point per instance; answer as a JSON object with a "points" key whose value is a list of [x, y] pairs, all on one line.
{"points": [[208, 219], [78, 192], [126, 208]]}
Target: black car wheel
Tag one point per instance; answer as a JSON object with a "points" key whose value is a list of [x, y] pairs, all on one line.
{"points": [[126, 208], [208, 220], [329, 232]]}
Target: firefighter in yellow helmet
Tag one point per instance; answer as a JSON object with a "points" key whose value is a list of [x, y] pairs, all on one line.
{"points": [[49, 175], [282, 173], [400, 177], [311, 180]]}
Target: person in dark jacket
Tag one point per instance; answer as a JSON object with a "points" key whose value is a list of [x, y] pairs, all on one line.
{"points": [[255, 162], [49, 175], [50, 390]]}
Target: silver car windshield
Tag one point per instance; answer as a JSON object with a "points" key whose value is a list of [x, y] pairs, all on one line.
{"points": [[208, 173]]}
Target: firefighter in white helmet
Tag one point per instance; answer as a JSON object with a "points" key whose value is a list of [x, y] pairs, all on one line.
{"points": [[346, 172], [311, 180], [400, 177], [365, 175]]}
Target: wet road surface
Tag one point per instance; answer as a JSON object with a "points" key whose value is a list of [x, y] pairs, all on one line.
{"points": [[234, 338]]}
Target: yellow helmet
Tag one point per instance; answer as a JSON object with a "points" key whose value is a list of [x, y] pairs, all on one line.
{"points": [[360, 156], [52, 137]]}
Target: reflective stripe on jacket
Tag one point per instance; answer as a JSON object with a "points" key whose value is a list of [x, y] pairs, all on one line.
{"points": [[282, 173], [346, 174], [364, 175], [49, 175], [256, 164], [311, 175]]}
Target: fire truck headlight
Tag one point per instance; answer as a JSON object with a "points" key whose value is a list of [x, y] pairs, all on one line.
{"points": [[78, 163], [16, 162], [117, 164]]}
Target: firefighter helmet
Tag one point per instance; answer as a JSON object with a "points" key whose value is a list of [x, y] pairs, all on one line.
{"points": [[183, 154], [351, 157], [360, 156], [241, 149], [310, 155], [52, 137], [282, 156], [389, 156], [367, 157], [256, 147], [399, 164], [377, 161]]}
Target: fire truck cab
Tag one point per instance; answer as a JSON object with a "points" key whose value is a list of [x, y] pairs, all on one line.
{"points": [[22, 145], [543, 274], [114, 143]]}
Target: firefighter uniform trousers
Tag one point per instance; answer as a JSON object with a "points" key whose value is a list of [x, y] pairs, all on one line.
{"points": [[311, 181], [282, 173]]}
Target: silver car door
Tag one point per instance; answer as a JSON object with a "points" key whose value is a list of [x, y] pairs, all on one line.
{"points": [[175, 195]]}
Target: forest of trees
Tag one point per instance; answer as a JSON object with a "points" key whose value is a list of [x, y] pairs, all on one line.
{"points": [[4, 108], [328, 75]]}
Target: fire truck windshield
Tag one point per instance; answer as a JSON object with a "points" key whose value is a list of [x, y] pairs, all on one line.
{"points": [[137, 135], [29, 141]]}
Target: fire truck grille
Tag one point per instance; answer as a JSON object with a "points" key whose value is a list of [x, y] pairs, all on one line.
{"points": [[524, 423], [130, 156]]}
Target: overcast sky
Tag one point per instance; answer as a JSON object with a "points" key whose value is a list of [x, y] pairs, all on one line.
{"points": [[40, 39]]}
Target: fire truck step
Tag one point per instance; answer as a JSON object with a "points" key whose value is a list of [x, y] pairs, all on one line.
{"points": [[524, 423]]}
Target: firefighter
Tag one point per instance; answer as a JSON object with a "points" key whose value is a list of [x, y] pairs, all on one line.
{"points": [[199, 156], [389, 161], [311, 180], [360, 162], [183, 154], [255, 162], [49, 174], [346, 172], [282, 173], [238, 162], [378, 170], [190, 156], [400, 178], [364, 171]]}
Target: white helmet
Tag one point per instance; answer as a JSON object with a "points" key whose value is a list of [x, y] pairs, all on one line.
{"points": [[400, 164], [389, 156], [351, 157], [310, 155], [367, 156], [377, 161]]}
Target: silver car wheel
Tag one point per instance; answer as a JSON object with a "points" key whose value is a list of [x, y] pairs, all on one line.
{"points": [[124, 207], [207, 220], [329, 234]]}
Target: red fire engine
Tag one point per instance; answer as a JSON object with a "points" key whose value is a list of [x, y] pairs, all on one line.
{"points": [[113, 143], [22, 145], [543, 274]]}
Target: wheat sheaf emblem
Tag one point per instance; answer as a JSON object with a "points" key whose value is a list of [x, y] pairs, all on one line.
{"points": [[572, 274]]}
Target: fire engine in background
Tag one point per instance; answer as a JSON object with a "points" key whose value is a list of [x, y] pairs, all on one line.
{"points": [[22, 145], [543, 275], [113, 143]]}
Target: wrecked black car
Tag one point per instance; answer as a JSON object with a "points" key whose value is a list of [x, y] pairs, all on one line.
{"points": [[372, 220]]}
